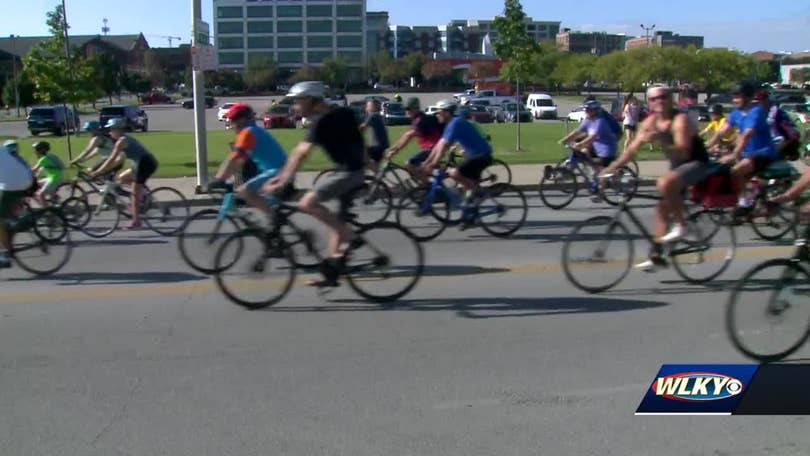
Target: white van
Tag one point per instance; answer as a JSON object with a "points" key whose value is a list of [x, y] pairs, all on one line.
{"points": [[542, 106]]}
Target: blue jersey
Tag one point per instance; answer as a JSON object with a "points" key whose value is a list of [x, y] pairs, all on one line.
{"points": [[464, 133], [761, 142], [262, 148], [605, 142]]}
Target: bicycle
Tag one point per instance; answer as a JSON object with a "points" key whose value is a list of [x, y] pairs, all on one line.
{"points": [[426, 211], [245, 273], [771, 221], [767, 289], [40, 240], [561, 181], [701, 245]]}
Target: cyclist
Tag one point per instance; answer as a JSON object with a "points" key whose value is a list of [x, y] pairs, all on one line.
{"points": [[335, 131], [784, 132], [50, 165], [253, 144], [688, 158], [717, 120], [795, 192], [755, 149], [465, 113], [99, 144], [427, 130], [378, 135], [477, 151], [15, 180], [144, 165], [598, 140]]}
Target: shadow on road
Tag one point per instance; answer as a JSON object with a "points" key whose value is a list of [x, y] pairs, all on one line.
{"points": [[118, 278], [481, 308], [118, 242], [676, 287]]}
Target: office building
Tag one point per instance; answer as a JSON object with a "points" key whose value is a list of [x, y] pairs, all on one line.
{"points": [[598, 43], [664, 39]]}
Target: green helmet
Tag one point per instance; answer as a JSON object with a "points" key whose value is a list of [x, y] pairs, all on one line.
{"points": [[11, 146], [117, 122], [91, 125], [41, 146]]}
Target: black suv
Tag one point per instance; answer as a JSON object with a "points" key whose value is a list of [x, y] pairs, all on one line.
{"points": [[134, 116], [55, 119]]}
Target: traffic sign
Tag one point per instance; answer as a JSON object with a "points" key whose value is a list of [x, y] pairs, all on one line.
{"points": [[203, 58]]}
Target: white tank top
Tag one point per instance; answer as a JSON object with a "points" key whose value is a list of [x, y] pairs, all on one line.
{"points": [[14, 175]]}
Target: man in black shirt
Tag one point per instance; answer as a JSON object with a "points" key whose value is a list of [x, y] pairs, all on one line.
{"points": [[336, 132]]}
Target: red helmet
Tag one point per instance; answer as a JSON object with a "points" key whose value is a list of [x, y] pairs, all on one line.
{"points": [[761, 95], [238, 110]]}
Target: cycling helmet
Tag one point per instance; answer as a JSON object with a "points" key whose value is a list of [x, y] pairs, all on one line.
{"points": [[464, 112], [716, 109], [412, 103], [11, 146], [592, 104], [447, 105], [744, 88], [91, 125], [312, 89], [116, 123], [762, 95], [239, 110], [41, 146]]}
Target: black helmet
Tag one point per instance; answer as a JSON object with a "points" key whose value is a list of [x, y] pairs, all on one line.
{"points": [[744, 88], [716, 109], [41, 146]]}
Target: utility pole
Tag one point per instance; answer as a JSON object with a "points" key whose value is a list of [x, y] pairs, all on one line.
{"points": [[72, 81], [14, 73], [647, 30], [198, 83]]}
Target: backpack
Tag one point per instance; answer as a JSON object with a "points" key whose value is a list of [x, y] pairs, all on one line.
{"points": [[613, 124], [785, 128]]}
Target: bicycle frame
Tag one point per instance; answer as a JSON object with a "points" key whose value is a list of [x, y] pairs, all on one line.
{"points": [[455, 200], [577, 161]]}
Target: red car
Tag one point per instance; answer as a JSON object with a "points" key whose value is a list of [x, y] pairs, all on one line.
{"points": [[480, 114], [155, 98], [281, 116]]}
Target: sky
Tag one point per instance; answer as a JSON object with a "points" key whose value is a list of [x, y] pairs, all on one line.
{"points": [[748, 25]]}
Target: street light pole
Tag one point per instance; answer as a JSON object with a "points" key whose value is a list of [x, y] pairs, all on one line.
{"points": [[647, 31], [14, 73], [72, 81], [198, 84]]}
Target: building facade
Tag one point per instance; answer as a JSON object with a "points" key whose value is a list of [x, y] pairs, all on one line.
{"points": [[292, 33], [664, 39], [598, 43]]}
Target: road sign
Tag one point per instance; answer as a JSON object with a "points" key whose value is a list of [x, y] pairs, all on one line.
{"points": [[203, 58]]}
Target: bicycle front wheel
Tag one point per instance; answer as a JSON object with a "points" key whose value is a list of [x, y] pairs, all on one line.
{"points": [[372, 203], [502, 210], [67, 190], [706, 249], [323, 174], [597, 254], [387, 265], [424, 223], [166, 210], [621, 186], [261, 272], [496, 173], [772, 221], [558, 187], [76, 212], [105, 215], [767, 316], [42, 254], [200, 237]]}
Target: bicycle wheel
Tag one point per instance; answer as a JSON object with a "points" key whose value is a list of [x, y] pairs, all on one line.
{"points": [[772, 221], [321, 175], [496, 173], [502, 210], [200, 237], [67, 190], [372, 202], [50, 224], [399, 180], [622, 185], [105, 214], [260, 274], [76, 212], [166, 210], [37, 254], [423, 223], [767, 316], [597, 254], [558, 187], [706, 249], [388, 264]]}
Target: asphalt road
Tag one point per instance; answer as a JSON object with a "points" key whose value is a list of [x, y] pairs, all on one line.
{"points": [[128, 351], [174, 118]]}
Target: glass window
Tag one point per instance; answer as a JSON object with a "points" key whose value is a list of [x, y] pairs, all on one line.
{"points": [[318, 56], [231, 58], [350, 10], [289, 26], [289, 11], [259, 11], [319, 10], [350, 41], [230, 27], [260, 42], [260, 56], [352, 57], [350, 26], [294, 42], [260, 27], [229, 11], [231, 42], [319, 26], [320, 41], [290, 57]]}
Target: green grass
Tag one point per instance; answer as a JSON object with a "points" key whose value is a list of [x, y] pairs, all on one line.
{"points": [[175, 150]]}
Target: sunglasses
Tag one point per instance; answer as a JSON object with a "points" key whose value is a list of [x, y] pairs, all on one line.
{"points": [[659, 97]]}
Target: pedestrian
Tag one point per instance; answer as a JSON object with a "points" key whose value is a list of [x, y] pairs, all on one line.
{"points": [[630, 113]]}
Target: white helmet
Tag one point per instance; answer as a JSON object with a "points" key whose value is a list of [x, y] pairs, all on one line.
{"points": [[447, 105], [312, 89]]}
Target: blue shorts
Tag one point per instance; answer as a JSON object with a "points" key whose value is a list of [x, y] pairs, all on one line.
{"points": [[255, 184]]}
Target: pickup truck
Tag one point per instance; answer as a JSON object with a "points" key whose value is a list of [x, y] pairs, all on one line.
{"points": [[488, 95]]}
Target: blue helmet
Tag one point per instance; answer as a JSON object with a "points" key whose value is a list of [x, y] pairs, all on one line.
{"points": [[11, 146], [117, 122], [91, 125]]}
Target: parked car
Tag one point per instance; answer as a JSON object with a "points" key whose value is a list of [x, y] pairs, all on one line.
{"points": [[394, 114], [432, 110], [155, 98], [379, 98], [280, 116], [209, 103], [55, 119], [383, 86], [577, 114], [699, 112], [134, 117], [480, 114], [542, 106], [724, 98], [223, 109], [514, 112], [337, 100]]}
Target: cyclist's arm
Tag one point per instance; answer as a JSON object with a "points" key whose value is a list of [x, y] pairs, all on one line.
{"points": [[437, 153], [297, 157], [718, 134], [645, 133], [88, 151], [570, 136], [706, 131], [742, 140], [796, 190], [112, 160], [585, 142], [403, 141]]}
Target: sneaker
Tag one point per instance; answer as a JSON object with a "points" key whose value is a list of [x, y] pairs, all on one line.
{"points": [[5, 260], [652, 264], [674, 234], [330, 269], [596, 199]]}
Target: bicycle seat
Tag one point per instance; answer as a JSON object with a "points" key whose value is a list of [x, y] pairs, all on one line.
{"points": [[777, 170]]}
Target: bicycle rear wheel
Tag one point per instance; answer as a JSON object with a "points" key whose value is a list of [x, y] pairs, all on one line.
{"points": [[767, 316], [706, 250], [67, 190], [388, 264], [597, 254], [200, 237], [374, 202], [496, 173], [502, 210], [105, 215], [322, 174], [76, 212], [261, 272], [166, 210], [558, 187], [772, 221], [622, 185], [399, 180], [42, 254], [423, 223]]}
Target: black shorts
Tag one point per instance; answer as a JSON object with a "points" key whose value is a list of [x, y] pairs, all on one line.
{"points": [[629, 127], [9, 201], [144, 169], [761, 163], [601, 161], [419, 157], [472, 167], [375, 153]]}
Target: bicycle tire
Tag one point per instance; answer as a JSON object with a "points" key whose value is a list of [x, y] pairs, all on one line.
{"points": [[321, 175], [104, 218], [37, 243], [248, 244], [496, 173], [213, 240], [356, 277], [364, 198], [76, 212], [505, 198], [423, 226], [688, 248], [620, 187], [787, 266], [611, 228], [166, 210], [399, 179], [568, 187], [782, 224], [67, 190]]}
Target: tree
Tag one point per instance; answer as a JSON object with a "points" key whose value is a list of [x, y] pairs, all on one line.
{"points": [[305, 73], [483, 70], [335, 72], [413, 63], [380, 60], [394, 72], [800, 75], [548, 56], [134, 83], [153, 65], [261, 73], [25, 89], [721, 68], [437, 70], [109, 75], [575, 70]]}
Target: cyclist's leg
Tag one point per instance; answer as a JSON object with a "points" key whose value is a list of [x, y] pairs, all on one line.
{"points": [[375, 155], [414, 165], [142, 172], [337, 185], [683, 176], [251, 191], [8, 204], [468, 172]]}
